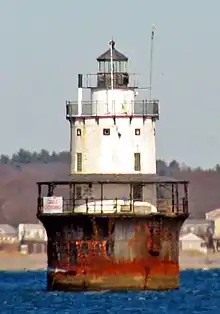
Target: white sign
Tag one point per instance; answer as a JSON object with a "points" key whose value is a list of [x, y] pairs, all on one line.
{"points": [[53, 205]]}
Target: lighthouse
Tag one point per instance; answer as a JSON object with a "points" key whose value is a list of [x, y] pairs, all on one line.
{"points": [[113, 223]]}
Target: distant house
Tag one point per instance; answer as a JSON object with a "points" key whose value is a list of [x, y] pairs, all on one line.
{"points": [[215, 216], [32, 232], [200, 227], [191, 242], [7, 233], [8, 238], [33, 236]]}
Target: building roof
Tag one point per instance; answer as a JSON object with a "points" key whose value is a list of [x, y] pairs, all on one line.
{"points": [[190, 237], [32, 227], [213, 214], [7, 230], [197, 222], [115, 178], [117, 56]]}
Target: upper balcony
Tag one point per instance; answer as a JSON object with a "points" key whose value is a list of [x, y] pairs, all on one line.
{"points": [[145, 108], [103, 80]]}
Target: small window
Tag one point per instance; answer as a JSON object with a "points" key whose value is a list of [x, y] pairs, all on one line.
{"points": [[137, 161], [137, 131], [137, 192], [78, 192], [78, 132], [73, 254], [79, 162], [106, 131], [85, 248]]}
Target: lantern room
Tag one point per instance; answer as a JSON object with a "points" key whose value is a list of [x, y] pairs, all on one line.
{"points": [[112, 69]]}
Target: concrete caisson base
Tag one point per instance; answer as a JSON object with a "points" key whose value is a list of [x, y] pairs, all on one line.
{"points": [[113, 253], [65, 282]]}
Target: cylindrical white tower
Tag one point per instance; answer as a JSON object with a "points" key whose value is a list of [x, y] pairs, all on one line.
{"points": [[113, 133]]}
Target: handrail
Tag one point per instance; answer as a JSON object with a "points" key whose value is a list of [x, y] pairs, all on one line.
{"points": [[97, 205], [92, 108]]}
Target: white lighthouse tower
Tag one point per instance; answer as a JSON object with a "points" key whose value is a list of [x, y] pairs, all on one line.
{"points": [[113, 134]]}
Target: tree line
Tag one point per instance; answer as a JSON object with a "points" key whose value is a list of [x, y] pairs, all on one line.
{"points": [[24, 157]]}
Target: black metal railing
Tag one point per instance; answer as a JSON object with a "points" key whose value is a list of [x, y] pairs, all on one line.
{"points": [[171, 196], [135, 108], [179, 206], [130, 206], [103, 80]]}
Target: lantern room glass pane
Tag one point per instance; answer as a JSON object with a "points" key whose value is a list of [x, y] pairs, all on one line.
{"points": [[102, 66], [118, 66]]}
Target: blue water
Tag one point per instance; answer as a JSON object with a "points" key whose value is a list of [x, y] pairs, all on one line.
{"points": [[25, 292]]}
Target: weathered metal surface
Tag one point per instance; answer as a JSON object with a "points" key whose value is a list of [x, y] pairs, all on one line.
{"points": [[120, 253]]}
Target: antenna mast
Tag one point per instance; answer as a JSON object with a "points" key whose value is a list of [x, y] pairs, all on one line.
{"points": [[111, 43], [151, 60]]}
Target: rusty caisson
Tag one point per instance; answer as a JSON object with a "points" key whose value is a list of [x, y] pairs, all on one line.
{"points": [[124, 248]]}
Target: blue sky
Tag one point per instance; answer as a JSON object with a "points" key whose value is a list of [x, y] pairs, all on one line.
{"points": [[45, 43]]}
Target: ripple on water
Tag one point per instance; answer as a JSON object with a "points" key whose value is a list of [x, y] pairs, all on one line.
{"points": [[24, 292]]}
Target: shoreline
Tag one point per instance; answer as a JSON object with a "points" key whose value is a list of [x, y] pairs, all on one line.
{"points": [[15, 262]]}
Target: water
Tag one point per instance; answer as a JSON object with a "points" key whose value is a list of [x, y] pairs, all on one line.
{"points": [[24, 292]]}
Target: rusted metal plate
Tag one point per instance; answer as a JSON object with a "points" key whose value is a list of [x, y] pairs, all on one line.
{"points": [[95, 253]]}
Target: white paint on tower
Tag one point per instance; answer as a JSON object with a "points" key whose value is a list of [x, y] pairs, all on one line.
{"points": [[115, 151], [116, 102]]}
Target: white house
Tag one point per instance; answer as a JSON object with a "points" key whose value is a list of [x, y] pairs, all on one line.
{"points": [[7, 233], [32, 232], [191, 242], [214, 215]]}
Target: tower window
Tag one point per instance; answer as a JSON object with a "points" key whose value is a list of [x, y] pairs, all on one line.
{"points": [[78, 132], [137, 161], [137, 192], [106, 131], [79, 162], [78, 192], [137, 131]]}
